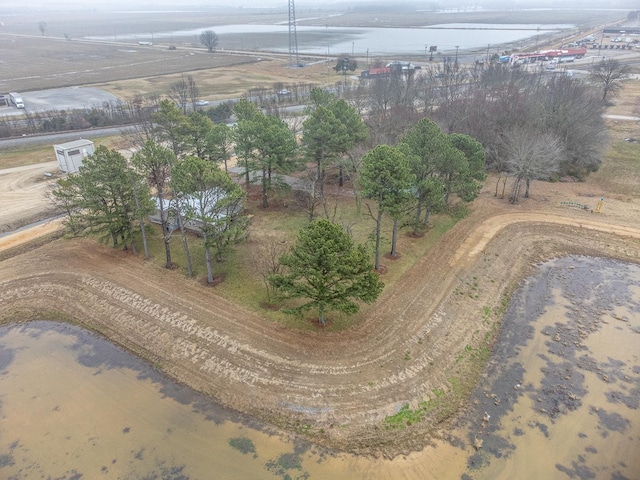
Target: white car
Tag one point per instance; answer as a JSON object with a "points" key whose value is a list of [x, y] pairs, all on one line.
{"points": [[202, 103]]}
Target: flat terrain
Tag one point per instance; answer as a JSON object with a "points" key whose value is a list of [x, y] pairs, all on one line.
{"points": [[335, 387], [22, 194], [61, 63]]}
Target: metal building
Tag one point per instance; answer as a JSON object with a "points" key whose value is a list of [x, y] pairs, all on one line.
{"points": [[71, 154]]}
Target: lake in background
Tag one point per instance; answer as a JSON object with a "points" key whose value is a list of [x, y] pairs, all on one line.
{"points": [[374, 41]]}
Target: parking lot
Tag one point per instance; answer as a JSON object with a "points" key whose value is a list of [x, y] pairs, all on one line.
{"points": [[68, 98]]}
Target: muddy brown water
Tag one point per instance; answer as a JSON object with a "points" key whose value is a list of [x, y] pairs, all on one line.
{"points": [[561, 401]]}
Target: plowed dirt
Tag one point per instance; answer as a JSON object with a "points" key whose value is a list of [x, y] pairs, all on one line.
{"points": [[337, 388]]}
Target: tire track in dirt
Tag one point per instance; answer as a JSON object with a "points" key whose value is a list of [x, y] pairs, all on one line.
{"points": [[354, 378]]}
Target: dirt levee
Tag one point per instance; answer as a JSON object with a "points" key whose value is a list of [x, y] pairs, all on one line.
{"points": [[342, 384]]}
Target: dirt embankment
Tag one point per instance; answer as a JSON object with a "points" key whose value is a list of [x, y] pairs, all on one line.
{"points": [[338, 388]]}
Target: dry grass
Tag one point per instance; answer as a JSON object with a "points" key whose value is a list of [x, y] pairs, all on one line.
{"points": [[228, 81], [620, 170], [628, 100], [31, 155]]}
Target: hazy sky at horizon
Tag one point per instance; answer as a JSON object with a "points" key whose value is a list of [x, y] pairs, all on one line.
{"points": [[162, 4], [189, 4]]}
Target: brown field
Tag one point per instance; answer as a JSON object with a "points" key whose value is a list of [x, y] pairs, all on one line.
{"points": [[31, 61], [59, 63]]}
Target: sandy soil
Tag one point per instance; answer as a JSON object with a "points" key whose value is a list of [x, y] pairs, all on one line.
{"points": [[22, 196], [335, 387]]}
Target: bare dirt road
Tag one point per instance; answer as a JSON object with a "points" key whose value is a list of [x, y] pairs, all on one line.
{"points": [[22, 195], [337, 388]]}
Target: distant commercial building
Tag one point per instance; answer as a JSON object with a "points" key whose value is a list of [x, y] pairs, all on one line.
{"points": [[70, 155]]}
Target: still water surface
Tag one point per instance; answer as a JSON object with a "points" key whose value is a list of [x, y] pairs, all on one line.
{"points": [[360, 41], [74, 406]]}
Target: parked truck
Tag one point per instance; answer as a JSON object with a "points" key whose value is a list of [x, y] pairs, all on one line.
{"points": [[16, 99]]}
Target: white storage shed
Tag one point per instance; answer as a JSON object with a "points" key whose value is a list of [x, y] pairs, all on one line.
{"points": [[71, 154]]}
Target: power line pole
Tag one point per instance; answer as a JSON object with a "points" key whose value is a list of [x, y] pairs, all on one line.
{"points": [[293, 36]]}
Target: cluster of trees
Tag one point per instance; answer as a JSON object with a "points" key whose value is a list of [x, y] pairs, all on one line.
{"points": [[179, 160], [107, 199], [265, 147], [107, 114], [420, 175], [405, 166], [506, 105], [178, 157], [504, 109]]}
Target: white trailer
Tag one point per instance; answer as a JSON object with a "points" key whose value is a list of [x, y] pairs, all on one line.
{"points": [[16, 99], [70, 155]]}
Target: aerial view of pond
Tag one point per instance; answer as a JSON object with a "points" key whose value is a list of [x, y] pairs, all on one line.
{"points": [[562, 401], [360, 41]]}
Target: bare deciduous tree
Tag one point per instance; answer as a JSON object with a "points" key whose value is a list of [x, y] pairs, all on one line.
{"points": [[193, 92], [531, 155], [209, 39], [609, 75], [309, 197], [179, 94], [265, 258]]}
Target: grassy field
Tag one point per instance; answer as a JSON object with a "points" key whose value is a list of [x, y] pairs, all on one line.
{"points": [[243, 283], [229, 82], [30, 155], [627, 102], [620, 170]]}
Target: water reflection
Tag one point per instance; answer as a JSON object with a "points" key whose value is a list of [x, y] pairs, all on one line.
{"points": [[358, 40], [564, 400]]}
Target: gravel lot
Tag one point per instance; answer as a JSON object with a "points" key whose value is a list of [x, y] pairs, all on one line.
{"points": [[69, 98]]}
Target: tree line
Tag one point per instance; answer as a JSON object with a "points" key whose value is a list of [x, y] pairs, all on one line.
{"points": [[401, 164]]}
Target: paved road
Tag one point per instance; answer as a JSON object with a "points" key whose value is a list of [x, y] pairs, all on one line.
{"points": [[55, 138]]}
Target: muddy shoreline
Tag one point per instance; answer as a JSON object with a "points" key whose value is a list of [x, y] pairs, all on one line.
{"points": [[508, 258], [589, 292]]}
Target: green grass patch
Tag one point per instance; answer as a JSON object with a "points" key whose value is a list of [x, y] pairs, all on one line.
{"points": [[405, 417]]}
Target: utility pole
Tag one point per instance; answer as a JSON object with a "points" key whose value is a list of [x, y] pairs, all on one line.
{"points": [[456, 62], [293, 36]]}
